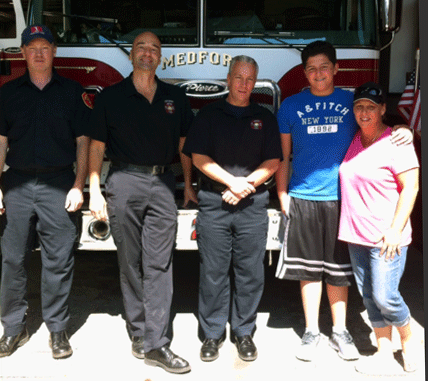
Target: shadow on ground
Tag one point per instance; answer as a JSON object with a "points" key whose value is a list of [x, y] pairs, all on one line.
{"points": [[96, 290]]}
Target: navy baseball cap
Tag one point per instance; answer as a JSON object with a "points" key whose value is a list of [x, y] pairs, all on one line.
{"points": [[370, 91], [36, 31]]}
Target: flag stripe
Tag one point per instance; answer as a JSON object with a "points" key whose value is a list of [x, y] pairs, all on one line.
{"points": [[409, 106]]}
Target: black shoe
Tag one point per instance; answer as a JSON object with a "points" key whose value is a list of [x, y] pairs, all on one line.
{"points": [[138, 346], [61, 348], [9, 344], [247, 350], [210, 347], [167, 360]]}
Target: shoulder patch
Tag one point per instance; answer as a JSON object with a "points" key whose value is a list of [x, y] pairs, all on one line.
{"points": [[88, 100]]}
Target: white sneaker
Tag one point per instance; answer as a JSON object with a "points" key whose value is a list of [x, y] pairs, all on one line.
{"points": [[308, 346], [344, 345], [379, 365], [410, 364]]}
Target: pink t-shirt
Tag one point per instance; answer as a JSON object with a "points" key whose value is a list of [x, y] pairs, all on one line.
{"points": [[370, 189]]}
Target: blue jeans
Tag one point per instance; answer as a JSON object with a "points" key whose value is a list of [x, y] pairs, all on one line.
{"points": [[377, 281]]}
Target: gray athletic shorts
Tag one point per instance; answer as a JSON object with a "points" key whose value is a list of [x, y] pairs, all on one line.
{"points": [[311, 250]]}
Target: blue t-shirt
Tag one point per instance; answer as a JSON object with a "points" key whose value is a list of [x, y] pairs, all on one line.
{"points": [[321, 129]]}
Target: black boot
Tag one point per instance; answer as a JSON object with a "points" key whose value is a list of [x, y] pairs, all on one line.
{"points": [[9, 344], [61, 348]]}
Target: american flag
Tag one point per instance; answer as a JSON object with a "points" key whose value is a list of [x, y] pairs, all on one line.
{"points": [[409, 105]]}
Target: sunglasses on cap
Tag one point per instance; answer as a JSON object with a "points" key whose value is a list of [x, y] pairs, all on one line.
{"points": [[371, 92]]}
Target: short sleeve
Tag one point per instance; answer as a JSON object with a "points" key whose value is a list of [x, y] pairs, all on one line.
{"points": [[404, 158], [97, 128], [3, 124], [188, 117], [272, 145], [83, 112], [197, 140], [283, 118]]}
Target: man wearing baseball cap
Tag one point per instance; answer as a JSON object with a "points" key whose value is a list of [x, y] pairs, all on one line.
{"points": [[43, 121], [32, 32]]}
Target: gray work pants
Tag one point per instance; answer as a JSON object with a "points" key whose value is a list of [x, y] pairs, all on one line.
{"points": [[35, 204], [231, 237], [143, 218]]}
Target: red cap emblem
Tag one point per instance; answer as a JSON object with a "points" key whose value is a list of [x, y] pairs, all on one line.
{"points": [[36, 29], [256, 124], [169, 107]]}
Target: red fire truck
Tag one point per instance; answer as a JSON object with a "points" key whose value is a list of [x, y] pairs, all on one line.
{"points": [[199, 38]]}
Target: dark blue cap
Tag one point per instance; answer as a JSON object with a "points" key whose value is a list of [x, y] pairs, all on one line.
{"points": [[370, 91], [36, 31]]}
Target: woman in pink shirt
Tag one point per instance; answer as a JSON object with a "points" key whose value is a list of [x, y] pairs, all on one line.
{"points": [[379, 184]]}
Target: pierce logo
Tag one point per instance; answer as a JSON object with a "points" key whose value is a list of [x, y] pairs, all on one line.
{"points": [[204, 89], [256, 124], [169, 107]]}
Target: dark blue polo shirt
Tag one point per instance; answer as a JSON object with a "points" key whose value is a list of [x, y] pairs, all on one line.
{"points": [[238, 142], [42, 125], [139, 132]]}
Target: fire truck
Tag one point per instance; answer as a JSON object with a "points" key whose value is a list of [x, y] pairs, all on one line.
{"points": [[199, 38]]}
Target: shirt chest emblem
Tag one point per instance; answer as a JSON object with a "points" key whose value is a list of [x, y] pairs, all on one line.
{"points": [[256, 124], [169, 107]]}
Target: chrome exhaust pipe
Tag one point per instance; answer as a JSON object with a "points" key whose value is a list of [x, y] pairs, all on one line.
{"points": [[99, 230]]}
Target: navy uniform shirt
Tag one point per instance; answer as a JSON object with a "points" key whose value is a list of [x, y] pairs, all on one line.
{"points": [[139, 132], [237, 143], [42, 125]]}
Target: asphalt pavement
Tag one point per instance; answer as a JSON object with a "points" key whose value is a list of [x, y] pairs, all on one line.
{"points": [[102, 349]]}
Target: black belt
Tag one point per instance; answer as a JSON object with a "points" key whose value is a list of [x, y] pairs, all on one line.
{"points": [[213, 187], [35, 171], [150, 169]]}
